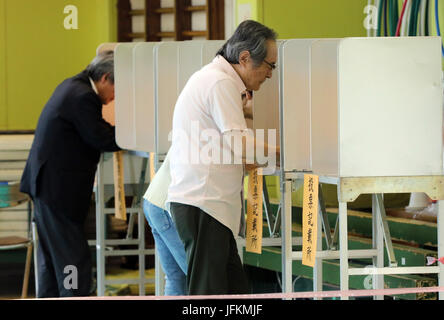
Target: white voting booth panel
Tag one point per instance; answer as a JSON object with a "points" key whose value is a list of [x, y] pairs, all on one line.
{"points": [[124, 96], [176, 62], [377, 107], [144, 96], [295, 104], [266, 104]]}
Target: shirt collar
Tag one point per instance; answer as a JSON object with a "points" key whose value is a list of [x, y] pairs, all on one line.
{"points": [[93, 85], [227, 68]]}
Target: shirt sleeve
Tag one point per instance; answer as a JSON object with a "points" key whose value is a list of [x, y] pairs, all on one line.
{"points": [[226, 107]]}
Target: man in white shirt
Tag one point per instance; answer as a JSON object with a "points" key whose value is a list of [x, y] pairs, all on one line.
{"points": [[204, 194]]}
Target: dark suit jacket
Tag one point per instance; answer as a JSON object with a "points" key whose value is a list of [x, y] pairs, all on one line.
{"points": [[69, 137]]}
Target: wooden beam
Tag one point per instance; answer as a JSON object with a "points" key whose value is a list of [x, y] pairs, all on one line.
{"points": [[164, 10], [123, 21], [140, 12], [194, 33], [195, 8], [182, 19], [166, 34], [152, 20], [215, 19], [134, 35]]}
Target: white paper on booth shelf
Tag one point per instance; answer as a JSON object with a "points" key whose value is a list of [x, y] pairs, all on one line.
{"points": [[124, 96], [377, 107], [295, 104], [144, 96]]}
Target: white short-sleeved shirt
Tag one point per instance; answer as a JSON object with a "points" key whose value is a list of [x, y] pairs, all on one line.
{"points": [[209, 106]]}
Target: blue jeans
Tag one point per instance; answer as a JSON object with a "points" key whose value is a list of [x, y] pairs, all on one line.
{"points": [[170, 248]]}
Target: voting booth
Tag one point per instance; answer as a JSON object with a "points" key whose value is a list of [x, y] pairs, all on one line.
{"points": [[376, 127], [377, 107], [128, 168], [364, 114]]}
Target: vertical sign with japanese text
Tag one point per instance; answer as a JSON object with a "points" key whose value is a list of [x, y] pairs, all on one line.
{"points": [[254, 212], [310, 219], [119, 191]]}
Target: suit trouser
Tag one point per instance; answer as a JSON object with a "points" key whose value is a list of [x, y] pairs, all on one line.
{"points": [[214, 265], [64, 259]]}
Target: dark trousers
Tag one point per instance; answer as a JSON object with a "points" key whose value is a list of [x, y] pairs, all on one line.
{"points": [[214, 265], [63, 256]]}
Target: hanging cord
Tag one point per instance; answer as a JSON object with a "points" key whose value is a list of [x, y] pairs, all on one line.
{"points": [[390, 17], [437, 24], [426, 23], [413, 18], [393, 16], [421, 26], [398, 28], [380, 5], [406, 21]]}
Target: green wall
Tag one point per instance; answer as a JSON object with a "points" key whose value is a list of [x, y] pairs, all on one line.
{"points": [[3, 109], [315, 18], [37, 52]]}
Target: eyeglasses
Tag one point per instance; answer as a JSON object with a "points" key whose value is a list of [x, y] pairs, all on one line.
{"points": [[271, 65]]}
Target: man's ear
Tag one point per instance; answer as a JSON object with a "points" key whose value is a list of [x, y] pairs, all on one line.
{"points": [[244, 57], [104, 77]]}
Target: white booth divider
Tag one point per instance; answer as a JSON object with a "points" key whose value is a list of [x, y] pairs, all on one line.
{"points": [[176, 62], [266, 103], [295, 111], [124, 96], [144, 96], [377, 107]]}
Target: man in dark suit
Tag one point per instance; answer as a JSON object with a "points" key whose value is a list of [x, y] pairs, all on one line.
{"points": [[59, 175]]}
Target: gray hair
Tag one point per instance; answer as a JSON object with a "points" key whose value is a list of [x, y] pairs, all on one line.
{"points": [[249, 36], [102, 64]]}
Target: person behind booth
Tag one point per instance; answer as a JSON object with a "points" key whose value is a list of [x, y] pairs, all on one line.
{"points": [[204, 196], [59, 176]]}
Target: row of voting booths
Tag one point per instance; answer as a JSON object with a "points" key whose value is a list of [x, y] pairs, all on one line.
{"points": [[364, 114]]}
